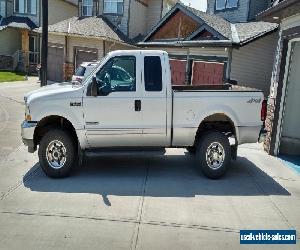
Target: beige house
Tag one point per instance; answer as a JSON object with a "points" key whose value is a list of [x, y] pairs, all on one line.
{"points": [[98, 27], [19, 45]]}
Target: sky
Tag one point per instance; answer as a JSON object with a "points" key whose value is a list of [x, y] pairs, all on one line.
{"points": [[197, 4]]}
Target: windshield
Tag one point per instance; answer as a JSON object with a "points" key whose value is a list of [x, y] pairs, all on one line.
{"points": [[92, 71]]}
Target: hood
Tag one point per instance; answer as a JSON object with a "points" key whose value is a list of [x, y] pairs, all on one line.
{"points": [[53, 90]]}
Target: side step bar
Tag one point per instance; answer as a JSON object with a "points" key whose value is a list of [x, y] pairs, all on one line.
{"points": [[125, 152]]}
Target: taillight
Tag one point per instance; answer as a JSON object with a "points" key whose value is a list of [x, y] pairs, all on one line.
{"points": [[263, 112]]}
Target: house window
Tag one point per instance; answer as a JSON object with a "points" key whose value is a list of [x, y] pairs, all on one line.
{"points": [[25, 6], [226, 4], [34, 48], [2, 8], [113, 7], [87, 7]]}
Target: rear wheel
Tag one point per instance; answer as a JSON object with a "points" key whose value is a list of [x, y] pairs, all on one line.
{"points": [[213, 154], [57, 153]]}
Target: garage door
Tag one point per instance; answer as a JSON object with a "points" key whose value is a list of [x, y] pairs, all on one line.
{"points": [[290, 136], [177, 71], [87, 55], [55, 63], [207, 73]]}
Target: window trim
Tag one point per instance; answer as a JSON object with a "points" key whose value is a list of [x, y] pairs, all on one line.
{"points": [[113, 13], [25, 7], [84, 5], [5, 8], [227, 8]]}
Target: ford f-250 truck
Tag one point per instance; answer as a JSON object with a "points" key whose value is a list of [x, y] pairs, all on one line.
{"points": [[128, 102]]}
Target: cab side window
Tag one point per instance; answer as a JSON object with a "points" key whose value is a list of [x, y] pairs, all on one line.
{"points": [[118, 74], [152, 73]]}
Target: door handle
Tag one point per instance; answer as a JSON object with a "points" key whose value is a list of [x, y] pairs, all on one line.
{"points": [[137, 105]]}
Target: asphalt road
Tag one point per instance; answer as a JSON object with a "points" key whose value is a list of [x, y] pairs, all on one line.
{"points": [[137, 202]]}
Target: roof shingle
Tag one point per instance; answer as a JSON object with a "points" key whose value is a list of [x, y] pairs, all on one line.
{"points": [[98, 27], [252, 30]]}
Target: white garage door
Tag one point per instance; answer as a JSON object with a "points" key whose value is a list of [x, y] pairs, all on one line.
{"points": [[55, 63], [290, 140]]}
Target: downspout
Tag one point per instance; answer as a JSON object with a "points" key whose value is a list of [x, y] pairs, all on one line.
{"points": [[187, 67], [228, 70], [235, 40]]}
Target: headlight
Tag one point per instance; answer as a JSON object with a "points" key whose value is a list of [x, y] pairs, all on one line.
{"points": [[27, 113]]}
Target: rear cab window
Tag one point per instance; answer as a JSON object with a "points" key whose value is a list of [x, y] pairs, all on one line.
{"points": [[153, 73]]}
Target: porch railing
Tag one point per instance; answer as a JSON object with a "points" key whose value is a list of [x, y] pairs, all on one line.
{"points": [[23, 59]]}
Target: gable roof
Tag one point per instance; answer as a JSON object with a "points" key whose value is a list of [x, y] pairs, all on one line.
{"points": [[97, 27], [226, 32], [252, 30], [217, 23], [17, 22]]}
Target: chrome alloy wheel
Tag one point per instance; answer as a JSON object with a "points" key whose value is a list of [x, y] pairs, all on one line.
{"points": [[215, 155], [56, 154]]}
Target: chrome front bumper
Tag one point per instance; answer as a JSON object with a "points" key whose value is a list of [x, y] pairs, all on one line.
{"points": [[27, 133]]}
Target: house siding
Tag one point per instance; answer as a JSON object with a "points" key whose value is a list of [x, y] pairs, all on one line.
{"points": [[111, 46], [56, 39], [83, 43], [137, 20], [60, 10], [252, 64], [257, 6], [10, 41], [153, 13], [239, 14]]}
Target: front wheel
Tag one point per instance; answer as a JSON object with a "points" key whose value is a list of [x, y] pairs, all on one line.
{"points": [[213, 154], [57, 153]]}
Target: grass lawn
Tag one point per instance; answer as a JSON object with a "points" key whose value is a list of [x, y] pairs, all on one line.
{"points": [[6, 76]]}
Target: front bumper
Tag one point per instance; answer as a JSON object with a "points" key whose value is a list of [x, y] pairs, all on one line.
{"points": [[27, 133]]}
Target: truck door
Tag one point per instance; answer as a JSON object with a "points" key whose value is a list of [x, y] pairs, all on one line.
{"points": [[114, 117], [154, 102]]}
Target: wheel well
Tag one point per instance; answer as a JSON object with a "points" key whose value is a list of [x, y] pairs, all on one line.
{"points": [[217, 122], [51, 122]]}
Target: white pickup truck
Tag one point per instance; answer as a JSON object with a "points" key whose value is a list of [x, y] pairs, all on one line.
{"points": [[129, 103]]}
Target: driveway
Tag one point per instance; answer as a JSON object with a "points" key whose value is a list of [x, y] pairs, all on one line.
{"points": [[137, 202]]}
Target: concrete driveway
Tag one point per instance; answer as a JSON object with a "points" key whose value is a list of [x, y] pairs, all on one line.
{"points": [[137, 202]]}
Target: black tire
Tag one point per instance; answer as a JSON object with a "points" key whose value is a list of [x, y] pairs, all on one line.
{"points": [[70, 153], [216, 163], [191, 150]]}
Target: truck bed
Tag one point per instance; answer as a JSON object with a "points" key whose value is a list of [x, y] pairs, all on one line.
{"points": [[193, 104], [223, 87]]}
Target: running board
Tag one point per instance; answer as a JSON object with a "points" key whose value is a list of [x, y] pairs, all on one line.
{"points": [[125, 152]]}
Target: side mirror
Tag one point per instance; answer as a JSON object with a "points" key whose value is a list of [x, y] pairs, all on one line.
{"points": [[94, 87]]}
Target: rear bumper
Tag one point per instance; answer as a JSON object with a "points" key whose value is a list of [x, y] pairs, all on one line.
{"points": [[27, 133], [249, 134]]}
